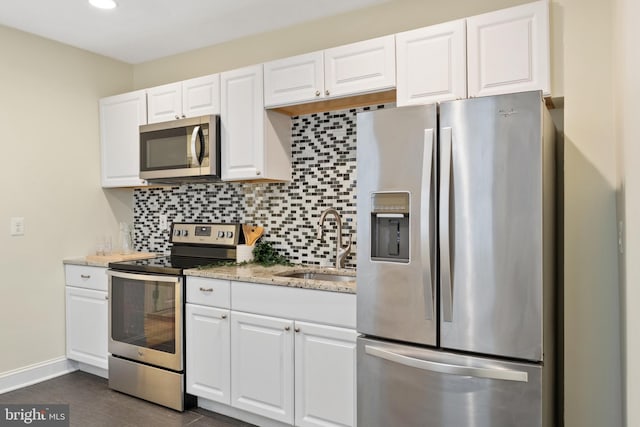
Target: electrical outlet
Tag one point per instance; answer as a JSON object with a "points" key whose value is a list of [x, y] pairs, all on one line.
{"points": [[162, 222], [17, 226]]}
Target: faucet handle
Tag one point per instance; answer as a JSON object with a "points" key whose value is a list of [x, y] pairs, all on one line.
{"points": [[343, 252], [348, 247]]}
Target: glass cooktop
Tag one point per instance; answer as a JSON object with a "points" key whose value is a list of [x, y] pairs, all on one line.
{"points": [[174, 265]]}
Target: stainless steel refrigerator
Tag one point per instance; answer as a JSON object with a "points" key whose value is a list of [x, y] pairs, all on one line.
{"points": [[456, 264]]}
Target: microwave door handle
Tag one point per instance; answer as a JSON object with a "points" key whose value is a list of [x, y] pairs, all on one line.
{"points": [[195, 135]]}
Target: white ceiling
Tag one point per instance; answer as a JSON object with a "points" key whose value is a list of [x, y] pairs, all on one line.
{"points": [[143, 30]]}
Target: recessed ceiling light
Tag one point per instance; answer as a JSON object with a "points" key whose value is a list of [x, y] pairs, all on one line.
{"points": [[103, 4]]}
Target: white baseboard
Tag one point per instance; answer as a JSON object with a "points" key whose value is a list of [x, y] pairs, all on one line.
{"points": [[32, 374], [239, 414], [100, 372]]}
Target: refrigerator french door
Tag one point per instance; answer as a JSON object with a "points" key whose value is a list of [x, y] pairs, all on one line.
{"points": [[455, 263]]}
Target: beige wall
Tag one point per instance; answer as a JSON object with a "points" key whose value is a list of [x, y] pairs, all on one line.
{"points": [[627, 92], [50, 168], [593, 394]]}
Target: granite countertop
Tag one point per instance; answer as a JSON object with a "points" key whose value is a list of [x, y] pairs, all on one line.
{"points": [[270, 276]]}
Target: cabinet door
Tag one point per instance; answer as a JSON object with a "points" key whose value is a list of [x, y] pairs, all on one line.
{"points": [[262, 368], [201, 96], [120, 118], [325, 375], [366, 66], [208, 353], [508, 50], [164, 102], [432, 64], [294, 80], [242, 121], [87, 326]]}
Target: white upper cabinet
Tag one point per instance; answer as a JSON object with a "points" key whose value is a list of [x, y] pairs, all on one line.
{"points": [[508, 50], [201, 96], [256, 144], [120, 118], [366, 66], [432, 64], [294, 80], [164, 102], [363, 67], [189, 98]]}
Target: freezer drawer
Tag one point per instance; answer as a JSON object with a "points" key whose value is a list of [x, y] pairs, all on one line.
{"points": [[408, 386]]}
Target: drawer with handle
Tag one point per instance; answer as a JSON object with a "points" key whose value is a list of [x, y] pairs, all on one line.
{"points": [[211, 292], [86, 277]]}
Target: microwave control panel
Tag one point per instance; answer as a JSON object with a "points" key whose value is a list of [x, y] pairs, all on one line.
{"points": [[205, 233]]}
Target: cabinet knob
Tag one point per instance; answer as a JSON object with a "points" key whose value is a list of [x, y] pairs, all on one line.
{"points": [[326, 92], [206, 289], [317, 93], [297, 329], [106, 297], [258, 172], [286, 328], [177, 116], [184, 117], [224, 316]]}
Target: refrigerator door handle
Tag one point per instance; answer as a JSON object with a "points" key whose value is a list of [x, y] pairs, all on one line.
{"points": [[444, 218], [446, 368], [425, 217]]}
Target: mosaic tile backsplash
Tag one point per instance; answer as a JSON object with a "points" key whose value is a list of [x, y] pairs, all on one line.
{"points": [[323, 176]]}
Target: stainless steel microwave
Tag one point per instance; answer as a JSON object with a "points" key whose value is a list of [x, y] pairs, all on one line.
{"points": [[181, 150]]}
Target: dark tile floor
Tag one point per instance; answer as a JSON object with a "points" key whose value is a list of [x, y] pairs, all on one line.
{"points": [[92, 403]]}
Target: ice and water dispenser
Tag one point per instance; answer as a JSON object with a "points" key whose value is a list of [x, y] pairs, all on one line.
{"points": [[390, 226]]}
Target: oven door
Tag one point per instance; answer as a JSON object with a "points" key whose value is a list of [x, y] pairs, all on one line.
{"points": [[179, 148], [146, 318]]}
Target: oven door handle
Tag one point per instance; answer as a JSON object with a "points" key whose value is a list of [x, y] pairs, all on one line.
{"points": [[144, 277]]}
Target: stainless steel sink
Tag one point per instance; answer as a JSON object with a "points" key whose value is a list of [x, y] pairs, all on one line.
{"points": [[310, 275]]}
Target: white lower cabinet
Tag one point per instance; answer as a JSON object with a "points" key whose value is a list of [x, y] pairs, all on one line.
{"points": [[262, 365], [87, 316], [282, 367], [285, 355], [325, 375], [208, 356]]}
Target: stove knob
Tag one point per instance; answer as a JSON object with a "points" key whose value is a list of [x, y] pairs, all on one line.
{"points": [[176, 232], [229, 234], [220, 234], [185, 233]]}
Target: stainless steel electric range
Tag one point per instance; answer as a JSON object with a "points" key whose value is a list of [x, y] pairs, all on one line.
{"points": [[146, 313]]}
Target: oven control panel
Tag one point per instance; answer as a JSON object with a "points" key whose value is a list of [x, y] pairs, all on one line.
{"points": [[205, 233]]}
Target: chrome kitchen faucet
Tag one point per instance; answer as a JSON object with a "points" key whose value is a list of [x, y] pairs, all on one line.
{"points": [[341, 251]]}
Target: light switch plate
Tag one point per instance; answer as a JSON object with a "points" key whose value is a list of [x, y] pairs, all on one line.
{"points": [[17, 226]]}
